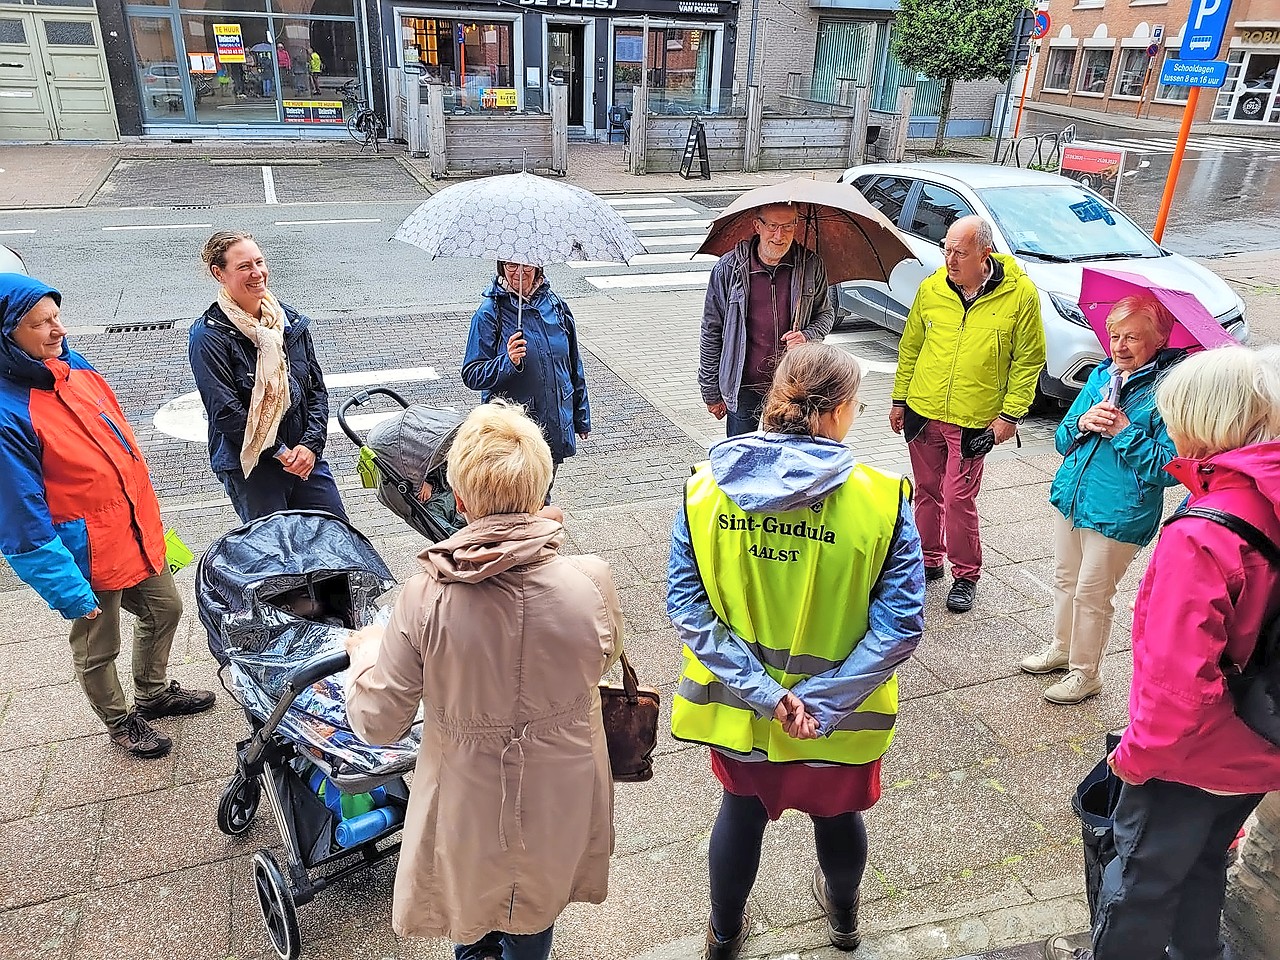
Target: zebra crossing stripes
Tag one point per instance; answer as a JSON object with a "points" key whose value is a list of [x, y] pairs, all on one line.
{"points": [[1209, 143], [671, 229]]}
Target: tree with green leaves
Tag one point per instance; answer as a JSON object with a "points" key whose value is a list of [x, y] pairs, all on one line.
{"points": [[952, 40]]}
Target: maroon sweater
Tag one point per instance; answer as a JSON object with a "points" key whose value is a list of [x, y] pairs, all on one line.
{"points": [[768, 318]]}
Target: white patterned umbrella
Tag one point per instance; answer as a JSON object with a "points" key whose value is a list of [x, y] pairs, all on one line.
{"points": [[521, 218]]}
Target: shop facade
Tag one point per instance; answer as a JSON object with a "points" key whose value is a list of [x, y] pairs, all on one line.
{"points": [[239, 68], [506, 55], [1108, 57]]}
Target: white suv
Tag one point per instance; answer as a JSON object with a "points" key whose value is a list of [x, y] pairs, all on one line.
{"points": [[1053, 227]]}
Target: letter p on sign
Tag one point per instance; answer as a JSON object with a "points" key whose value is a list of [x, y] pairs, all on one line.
{"points": [[1204, 9]]}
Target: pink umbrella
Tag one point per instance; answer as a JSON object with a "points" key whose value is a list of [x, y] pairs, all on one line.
{"points": [[1194, 327]]}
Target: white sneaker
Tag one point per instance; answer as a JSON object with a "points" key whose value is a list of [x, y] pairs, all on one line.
{"points": [[1047, 660], [1075, 688]]}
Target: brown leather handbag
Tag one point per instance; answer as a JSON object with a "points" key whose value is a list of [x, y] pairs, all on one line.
{"points": [[630, 726]]}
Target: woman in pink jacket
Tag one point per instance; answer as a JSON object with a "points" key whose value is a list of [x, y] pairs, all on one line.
{"points": [[1193, 772]]}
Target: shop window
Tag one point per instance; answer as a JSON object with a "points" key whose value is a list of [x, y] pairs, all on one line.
{"points": [[212, 6], [469, 58], [1133, 68], [1094, 70], [1168, 92], [678, 64], [1062, 65]]}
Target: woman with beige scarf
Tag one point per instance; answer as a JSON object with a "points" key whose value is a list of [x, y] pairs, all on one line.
{"points": [[262, 388]]}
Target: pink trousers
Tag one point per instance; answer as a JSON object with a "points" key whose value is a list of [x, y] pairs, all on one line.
{"points": [[946, 500]]}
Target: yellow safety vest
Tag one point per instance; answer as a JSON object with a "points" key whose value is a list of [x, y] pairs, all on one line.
{"points": [[796, 586]]}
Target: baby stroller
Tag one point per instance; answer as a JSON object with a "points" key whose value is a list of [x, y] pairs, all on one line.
{"points": [[278, 597], [401, 454]]}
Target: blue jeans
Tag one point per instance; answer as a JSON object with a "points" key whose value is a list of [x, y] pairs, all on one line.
{"points": [[1165, 889], [269, 489], [507, 946], [746, 419]]}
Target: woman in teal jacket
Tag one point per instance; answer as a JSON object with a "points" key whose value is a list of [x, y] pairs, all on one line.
{"points": [[1108, 492]]}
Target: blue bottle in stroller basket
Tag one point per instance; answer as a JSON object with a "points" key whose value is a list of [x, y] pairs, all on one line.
{"points": [[360, 817]]}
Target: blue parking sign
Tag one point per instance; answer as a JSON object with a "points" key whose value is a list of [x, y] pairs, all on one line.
{"points": [[1205, 27]]}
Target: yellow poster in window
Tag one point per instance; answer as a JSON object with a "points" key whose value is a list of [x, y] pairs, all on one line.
{"points": [[498, 98], [229, 41]]}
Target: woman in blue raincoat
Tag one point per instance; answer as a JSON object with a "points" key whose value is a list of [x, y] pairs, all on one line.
{"points": [[523, 347]]}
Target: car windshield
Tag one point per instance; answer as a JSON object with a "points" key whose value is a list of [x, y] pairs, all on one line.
{"points": [[1065, 222]]}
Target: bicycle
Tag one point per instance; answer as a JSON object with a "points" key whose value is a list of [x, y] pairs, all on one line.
{"points": [[363, 123]]}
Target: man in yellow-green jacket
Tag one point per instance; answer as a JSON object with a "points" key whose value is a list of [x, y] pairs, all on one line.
{"points": [[968, 363]]}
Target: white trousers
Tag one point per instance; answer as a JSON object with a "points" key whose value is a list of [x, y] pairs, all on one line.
{"points": [[1089, 569]]}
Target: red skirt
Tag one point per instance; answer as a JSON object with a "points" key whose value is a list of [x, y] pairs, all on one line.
{"points": [[825, 791]]}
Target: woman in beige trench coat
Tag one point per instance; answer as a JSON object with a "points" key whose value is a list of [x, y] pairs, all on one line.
{"points": [[504, 643]]}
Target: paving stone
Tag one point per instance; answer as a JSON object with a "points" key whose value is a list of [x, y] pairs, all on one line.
{"points": [[970, 650], [1018, 541], [644, 609], [181, 831], [93, 769], [656, 656], [42, 932], [935, 736], [1042, 782], [917, 680], [974, 891], [46, 715], [36, 663], [678, 805], [48, 856], [933, 830], [166, 916], [204, 746]]}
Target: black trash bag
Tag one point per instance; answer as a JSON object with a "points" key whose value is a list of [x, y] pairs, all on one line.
{"points": [[1095, 804]]}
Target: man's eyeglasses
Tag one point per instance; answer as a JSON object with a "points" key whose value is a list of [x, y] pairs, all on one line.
{"points": [[776, 227]]}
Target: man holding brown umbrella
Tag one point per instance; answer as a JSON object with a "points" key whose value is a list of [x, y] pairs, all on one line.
{"points": [[780, 246]]}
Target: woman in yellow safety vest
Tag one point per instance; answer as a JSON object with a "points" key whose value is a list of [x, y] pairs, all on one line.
{"points": [[797, 588]]}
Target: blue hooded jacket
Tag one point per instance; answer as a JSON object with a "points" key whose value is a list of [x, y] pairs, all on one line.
{"points": [[776, 472], [1113, 484], [550, 383], [80, 512]]}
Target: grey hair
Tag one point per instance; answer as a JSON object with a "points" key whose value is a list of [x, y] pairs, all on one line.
{"points": [[982, 233]]}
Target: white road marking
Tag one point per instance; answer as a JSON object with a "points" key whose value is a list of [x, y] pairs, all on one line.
{"points": [[673, 225], [693, 240], [11, 233], [292, 223], [652, 214], [687, 279], [184, 417], [643, 259], [269, 185], [636, 201], [164, 226]]}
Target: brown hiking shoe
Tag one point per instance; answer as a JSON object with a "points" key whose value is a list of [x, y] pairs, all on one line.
{"points": [[842, 922], [174, 702], [140, 738], [731, 949]]}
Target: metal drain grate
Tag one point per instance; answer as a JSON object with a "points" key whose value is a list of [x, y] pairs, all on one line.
{"points": [[190, 206], [140, 327]]}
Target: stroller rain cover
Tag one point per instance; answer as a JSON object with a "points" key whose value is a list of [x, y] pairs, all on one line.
{"points": [[259, 640]]}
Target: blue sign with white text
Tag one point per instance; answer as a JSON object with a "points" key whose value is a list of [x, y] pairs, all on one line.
{"points": [[1205, 27], [1194, 73]]}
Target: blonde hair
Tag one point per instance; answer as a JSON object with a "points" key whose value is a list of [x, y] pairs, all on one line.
{"points": [[214, 251], [811, 380], [1140, 305], [499, 462], [1222, 399]]}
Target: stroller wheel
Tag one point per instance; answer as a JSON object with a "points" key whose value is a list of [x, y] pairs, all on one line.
{"points": [[238, 805], [276, 900]]}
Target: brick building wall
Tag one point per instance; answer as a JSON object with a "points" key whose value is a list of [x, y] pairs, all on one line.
{"points": [[785, 42], [1126, 28]]}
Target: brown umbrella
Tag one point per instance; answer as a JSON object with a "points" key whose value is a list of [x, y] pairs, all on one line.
{"points": [[853, 238]]}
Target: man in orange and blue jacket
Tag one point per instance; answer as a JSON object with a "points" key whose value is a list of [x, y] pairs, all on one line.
{"points": [[82, 524]]}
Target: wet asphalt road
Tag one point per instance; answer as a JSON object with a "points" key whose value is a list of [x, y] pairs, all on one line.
{"points": [[1226, 202]]}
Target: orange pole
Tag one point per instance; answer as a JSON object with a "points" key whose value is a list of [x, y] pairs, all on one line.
{"points": [[1026, 77], [1171, 182]]}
